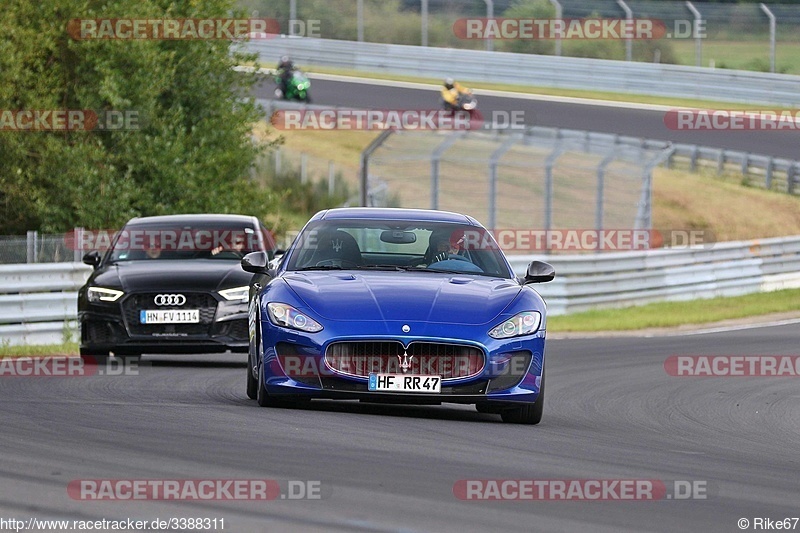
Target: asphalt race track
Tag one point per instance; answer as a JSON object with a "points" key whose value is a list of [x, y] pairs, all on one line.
{"points": [[643, 123], [612, 412]]}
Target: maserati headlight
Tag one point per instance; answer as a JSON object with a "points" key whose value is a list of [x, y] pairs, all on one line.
{"points": [[237, 294], [288, 317], [100, 294], [523, 323]]}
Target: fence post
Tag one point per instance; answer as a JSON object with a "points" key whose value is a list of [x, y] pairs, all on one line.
{"points": [[493, 160], [360, 17], [374, 145], [436, 156], [424, 15], [32, 248], [601, 178], [303, 167], [77, 244], [331, 178], [698, 43], [772, 24], [628, 41], [489, 15], [559, 16]]}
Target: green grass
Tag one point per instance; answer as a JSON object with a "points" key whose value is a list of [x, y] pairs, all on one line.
{"points": [[740, 54], [672, 314], [67, 348]]}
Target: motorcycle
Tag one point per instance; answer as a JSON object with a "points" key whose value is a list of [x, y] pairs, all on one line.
{"points": [[297, 88], [466, 102]]}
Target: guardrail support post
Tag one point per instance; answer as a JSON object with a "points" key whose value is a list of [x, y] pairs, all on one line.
{"points": [[768, 174], [720, 161], [791, 176]]}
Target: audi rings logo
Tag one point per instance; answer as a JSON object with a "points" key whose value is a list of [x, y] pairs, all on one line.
{"points": [[170, 299]]}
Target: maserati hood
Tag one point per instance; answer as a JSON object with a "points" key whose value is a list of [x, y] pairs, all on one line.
{"points": [[409, 296]]}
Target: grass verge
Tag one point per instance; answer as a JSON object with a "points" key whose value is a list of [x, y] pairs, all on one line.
{"points": [[67, 348], [673, 314]]}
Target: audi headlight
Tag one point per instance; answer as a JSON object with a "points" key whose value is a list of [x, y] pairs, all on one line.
{"points": [[100, 294], [237, 294], [523, 323], [288, 317]]}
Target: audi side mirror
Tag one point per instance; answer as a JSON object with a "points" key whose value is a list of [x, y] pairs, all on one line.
{"points": [[92, 258]]}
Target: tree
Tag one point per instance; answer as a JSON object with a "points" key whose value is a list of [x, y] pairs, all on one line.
{"points": [[190, 149]]}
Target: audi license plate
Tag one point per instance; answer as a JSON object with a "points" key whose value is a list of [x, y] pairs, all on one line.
{"points": [[405, 383], [170, 316]]}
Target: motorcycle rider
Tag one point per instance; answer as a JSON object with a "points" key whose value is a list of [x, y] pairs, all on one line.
{"points": [[451, 91], [285, 71]]}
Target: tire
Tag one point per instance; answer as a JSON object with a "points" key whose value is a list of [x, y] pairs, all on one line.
{"points": [[528, 414], [265, 400], [252, 381]]}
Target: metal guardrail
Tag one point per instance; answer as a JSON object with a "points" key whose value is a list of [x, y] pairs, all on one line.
{"points": [[757, 88], [635, 278], [36, 301], [39, 303]]}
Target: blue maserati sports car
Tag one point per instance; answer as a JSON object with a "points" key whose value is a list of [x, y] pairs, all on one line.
{"points": [[397, 306]]}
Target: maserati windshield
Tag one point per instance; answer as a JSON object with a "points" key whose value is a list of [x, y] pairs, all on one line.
{"points": [[392, 245]]}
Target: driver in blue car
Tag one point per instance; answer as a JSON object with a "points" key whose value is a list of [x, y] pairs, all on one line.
{"points": [[446, 246]]}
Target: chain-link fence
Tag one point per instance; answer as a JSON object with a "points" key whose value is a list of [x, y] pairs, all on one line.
{"points": [[736, 36], [35, 247], [536, 179]]}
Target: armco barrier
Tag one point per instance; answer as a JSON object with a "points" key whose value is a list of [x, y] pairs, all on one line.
{"points": [[39, 303], [622, 279], [37, 300], [756, 88]]}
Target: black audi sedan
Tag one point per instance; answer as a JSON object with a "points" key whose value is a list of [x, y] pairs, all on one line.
{"points": [[171, 284]]}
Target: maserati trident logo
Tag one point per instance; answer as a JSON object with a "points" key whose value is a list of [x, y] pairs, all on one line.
{"points": [[405, 362], [169, 299], [337, 245]]}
